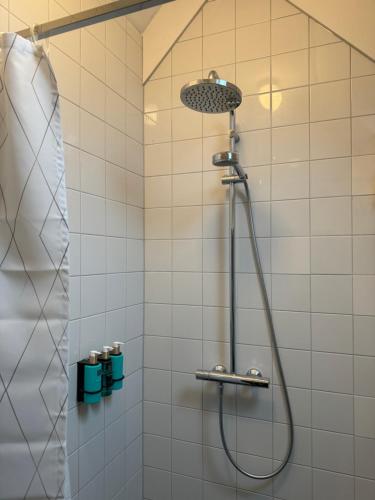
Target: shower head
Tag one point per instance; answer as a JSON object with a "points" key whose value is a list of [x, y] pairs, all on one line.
{"points": [[226, 159], [211, 95], [229, 159]]}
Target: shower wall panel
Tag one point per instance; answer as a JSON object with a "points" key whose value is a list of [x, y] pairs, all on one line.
{"points": [[307, 141]]}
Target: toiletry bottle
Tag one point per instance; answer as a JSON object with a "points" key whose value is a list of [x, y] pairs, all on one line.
{"points": [[92, 378], [106, 361], [117, 366]]}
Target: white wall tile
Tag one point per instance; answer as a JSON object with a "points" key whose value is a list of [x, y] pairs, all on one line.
{"points": [[330, 216], [329, 62], [183, 486], [361, 65], [194, 29], [187, 56], [363, 95], [290, 70], [332, 412], [330, 484], [333, 451], [330, 139], [290, 180], [255, 147], [331, 255], [187, 156], [291, 255], [332, 372], [157, 353], [93, 214], [363, 252], [363, 294], [292, 329], [158, 223], [294, 479], [157, 484], [363, 172], [331, 294], [330, 100], [364, 456], [187, 189], [158, 127], [289, 34], [187, 321], [291, 292], [187, 458], [290, 107], [157, 452], [218, 49], [187, 288], [218, 16], [363, 210], [186, 124], [297, 367], [253, 42], [290, 144], [330, 177], [158, 287], [364, 412], [319, 35], [187, 255], [290, 218], [281, 8], [158, 159], [363, 135], [253, 77], [158, 191], [254, 113], [254, 12], [363, 370]]}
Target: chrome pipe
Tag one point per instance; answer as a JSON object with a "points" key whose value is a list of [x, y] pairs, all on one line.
{"points": [[88, 17], [232, 250]]}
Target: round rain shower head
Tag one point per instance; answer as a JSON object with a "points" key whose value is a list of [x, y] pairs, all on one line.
{"points": [[211, 95]]}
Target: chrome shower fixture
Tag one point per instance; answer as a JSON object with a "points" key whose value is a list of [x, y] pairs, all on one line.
{"points": [[211, 95], [214, 95]]}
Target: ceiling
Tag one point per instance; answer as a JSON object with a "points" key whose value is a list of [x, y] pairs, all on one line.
{"points": [[143, 18]]}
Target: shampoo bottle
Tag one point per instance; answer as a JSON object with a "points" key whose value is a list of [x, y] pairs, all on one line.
{"points": [[117, 366], [92, 379], [106, 361]]}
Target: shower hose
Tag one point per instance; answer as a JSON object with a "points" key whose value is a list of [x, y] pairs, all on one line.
{"points": [[262, 283]]}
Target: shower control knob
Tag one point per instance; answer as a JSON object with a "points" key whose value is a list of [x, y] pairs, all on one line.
{"points": [[219, 368], [254, 372]]}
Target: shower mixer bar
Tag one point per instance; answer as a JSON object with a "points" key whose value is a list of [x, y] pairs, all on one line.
{"points": [[88, 17], [252, 378]]}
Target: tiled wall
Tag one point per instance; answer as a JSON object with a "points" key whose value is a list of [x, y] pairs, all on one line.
{"points": [[98, 72], [309, 149]]}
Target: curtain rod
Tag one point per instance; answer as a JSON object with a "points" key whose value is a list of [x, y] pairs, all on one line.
{"points": [[88, 17]]}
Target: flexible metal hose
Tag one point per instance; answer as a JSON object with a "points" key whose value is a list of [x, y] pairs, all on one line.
{"points": [[271, 327]]}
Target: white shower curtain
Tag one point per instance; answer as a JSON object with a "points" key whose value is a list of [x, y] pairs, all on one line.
{"points": [[34, 241]]}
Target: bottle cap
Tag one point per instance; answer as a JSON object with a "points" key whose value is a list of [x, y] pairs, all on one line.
{"points": [[117, 347], [93, 357], [106, 350]]}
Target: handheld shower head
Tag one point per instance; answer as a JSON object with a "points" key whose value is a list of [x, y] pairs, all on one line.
{"points": [[229, 159], [211, 95]]}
